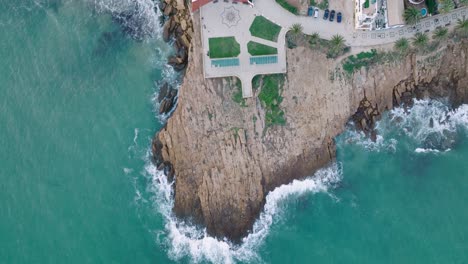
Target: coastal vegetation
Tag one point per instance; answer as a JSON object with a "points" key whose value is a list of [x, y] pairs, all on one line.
{"points": [[420, 41], [296, 31], [224, 47], [412, 15], [287, 6], [440, 34], [333, 48], [237, 94], [461, 28], [265, 29], [432, 6], [402, 45], [337, 44], [355, 62], [445, 6], [258, 49], [270, 97]]}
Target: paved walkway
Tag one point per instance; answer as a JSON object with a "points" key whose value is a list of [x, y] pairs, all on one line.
{"points": [[226, 19], [223, 19]]}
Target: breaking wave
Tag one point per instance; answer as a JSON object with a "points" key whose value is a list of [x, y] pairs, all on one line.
{"points": [[188, 242], [431, 126]]}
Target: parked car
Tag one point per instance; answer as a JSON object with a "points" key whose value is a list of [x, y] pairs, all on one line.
{"points": [[310, 11], [316, 12], [332, 15], [339, 17], [325, 15]]}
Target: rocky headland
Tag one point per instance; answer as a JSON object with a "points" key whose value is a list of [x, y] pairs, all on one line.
{"points": [[225, 159]]}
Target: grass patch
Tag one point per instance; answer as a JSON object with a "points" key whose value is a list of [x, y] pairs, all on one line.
{"points": [[237, 95], [270, 96], [225, 47], [355, 62], [265, 29], [287, 6], [257, 49]]}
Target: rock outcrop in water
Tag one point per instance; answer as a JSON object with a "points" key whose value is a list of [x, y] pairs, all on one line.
{"points": [[178, 26], [226, 160]]}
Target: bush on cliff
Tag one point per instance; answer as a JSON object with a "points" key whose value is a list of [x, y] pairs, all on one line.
{"points": [[270, 96], [354, 63]]}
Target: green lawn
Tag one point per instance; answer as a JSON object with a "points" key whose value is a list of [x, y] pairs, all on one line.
{"points": [[257, 49], [265, 29], [225, 47]]}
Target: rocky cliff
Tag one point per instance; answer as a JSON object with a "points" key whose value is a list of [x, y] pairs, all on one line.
{"points": [[226, 161]]}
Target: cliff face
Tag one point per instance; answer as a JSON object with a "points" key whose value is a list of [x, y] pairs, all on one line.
{"points": [[225, 161]]}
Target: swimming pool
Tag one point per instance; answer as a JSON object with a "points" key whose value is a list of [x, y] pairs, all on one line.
{"points": [[424, 12]]}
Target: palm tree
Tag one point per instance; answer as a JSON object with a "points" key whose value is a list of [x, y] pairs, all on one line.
{"points": [[462, 27], [314, 38], [440, 34], [412, 15], [420, 40], [446, 6], [296, 29], [337, 43], [402, 45]]}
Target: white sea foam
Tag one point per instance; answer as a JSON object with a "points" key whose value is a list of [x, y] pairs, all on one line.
{"points": [[430, 124], [380, 143], [135, 137], [186, 241]]}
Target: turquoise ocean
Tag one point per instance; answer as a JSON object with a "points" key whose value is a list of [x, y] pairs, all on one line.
{"points": [[77, 114]]}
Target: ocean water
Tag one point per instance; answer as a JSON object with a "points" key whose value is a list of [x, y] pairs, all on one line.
{"points": [[76, 186]]}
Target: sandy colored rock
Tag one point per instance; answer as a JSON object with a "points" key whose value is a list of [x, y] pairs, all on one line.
{"points": [[225, 165]]}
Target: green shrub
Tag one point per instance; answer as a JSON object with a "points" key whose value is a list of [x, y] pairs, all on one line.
{"points": [[258, 49], [356, 62], [237, 95], [270, 96], [431, 6]]}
